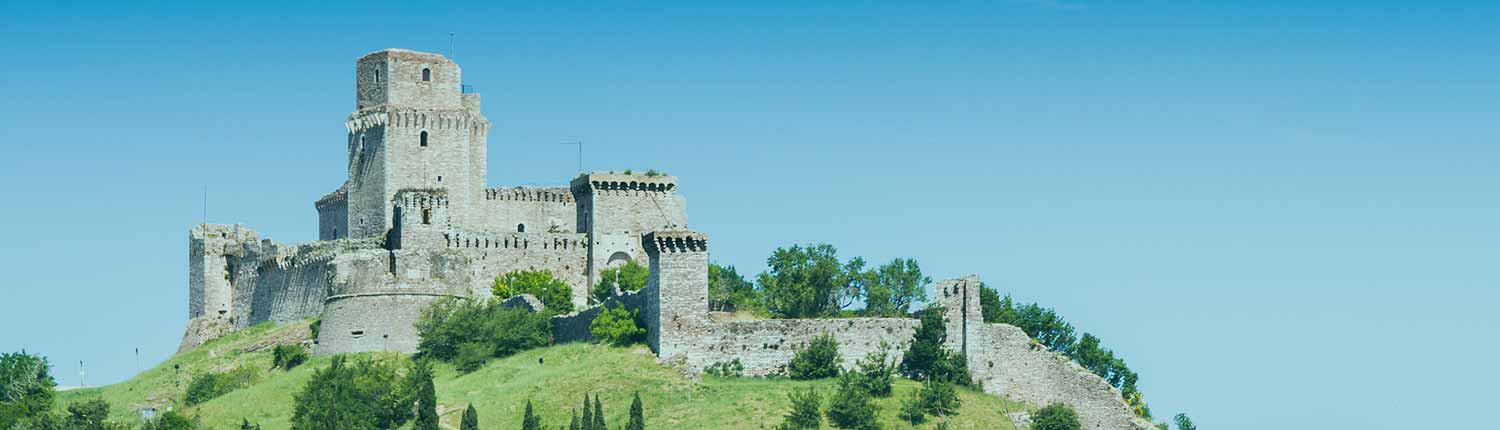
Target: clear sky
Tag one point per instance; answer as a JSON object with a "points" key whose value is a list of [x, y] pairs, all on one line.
{"points": [[1279, 214]]}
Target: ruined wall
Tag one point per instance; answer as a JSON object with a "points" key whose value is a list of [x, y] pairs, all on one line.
{"points": [[538, 209], [212, 249], [766, 346]]}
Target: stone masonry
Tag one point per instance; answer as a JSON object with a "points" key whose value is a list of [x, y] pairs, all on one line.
{"points": [[414, 223]]}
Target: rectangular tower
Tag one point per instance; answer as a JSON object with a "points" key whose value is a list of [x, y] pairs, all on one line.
{"points": [[413, 128]]}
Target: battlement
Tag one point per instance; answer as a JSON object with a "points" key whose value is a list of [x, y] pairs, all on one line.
{"points": [[675, 241], [337, 196], [478, 240], [623, 182], [234, 232], [429, 119], [525, 194]]}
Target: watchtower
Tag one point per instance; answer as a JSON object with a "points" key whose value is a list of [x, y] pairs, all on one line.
{"points": [[676, 308], [414, 127]]}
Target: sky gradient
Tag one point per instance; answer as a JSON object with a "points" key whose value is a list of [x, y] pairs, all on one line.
{"points": [[1279, 215]]}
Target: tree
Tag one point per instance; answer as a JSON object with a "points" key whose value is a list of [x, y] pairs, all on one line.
{"points": [[628, 277], [912, 409], [818, 359], [616, 326], [588, 414], [877, 372], [552, 292], [1056, 416], [90, 414], [26, 387], [170, 420], [802, 282], [599, 414], [426, 396], [804, 414], [485, 328], [358, 394], [850, 406], [728, 291], [939, 398], [927, 358], [1183, 422], [470, 420], [989, 304], [637, 414], [288, 356], [574, 424], [897, 285], [530, 421]]}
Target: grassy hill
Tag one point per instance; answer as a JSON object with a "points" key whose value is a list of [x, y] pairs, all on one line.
{"points": [[554, 379]]}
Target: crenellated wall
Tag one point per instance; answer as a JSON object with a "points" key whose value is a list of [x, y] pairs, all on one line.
{"points": [[550, 209]]}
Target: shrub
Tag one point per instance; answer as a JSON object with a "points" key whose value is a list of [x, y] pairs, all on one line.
{"points": [[170, 420], [530, 421], [449, 324], [553, 292], [939, 397], [637, 414], [804, 414], [877, 373], [850, 406], [472, 356], [1056, 416], [725, 369], [90, 414], [616, 326], [208, 386], [315, 327], [926, 358], [629, 277], [288, 355], [353, 394], [912, 410], [819, 359], [470, 419]]}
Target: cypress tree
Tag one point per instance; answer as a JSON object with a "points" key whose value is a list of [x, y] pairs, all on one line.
{"points": [[637, 414], [530, 421], [599, 414], [427, 417], [574, 424], [471, 419], [588, 414]]}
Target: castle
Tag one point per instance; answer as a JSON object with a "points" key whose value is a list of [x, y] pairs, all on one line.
{"points": [[414, 222]]}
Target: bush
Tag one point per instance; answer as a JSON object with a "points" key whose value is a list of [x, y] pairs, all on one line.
{"points": [[449, 324], [27, 386], [551, 291], [912, 410], [819, 359], [1056, 416], [170, 420], [939, 398], [616, 326], [208, 386], [354, 394], [472, 356], [804, 414], [315, 328], [288, 356], [877, 373], [725, 369], [629, 277], [926, 358], [850, 407]]}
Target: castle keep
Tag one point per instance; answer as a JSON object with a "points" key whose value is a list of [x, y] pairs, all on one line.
{"points": [[414, 222]]}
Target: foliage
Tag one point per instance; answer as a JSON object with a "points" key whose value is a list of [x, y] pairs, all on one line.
{"points": [[728, 291], [877, 372], [653, 173], [207, 386], [725, 369], [598, 415], [449, 324], [637, 414], [912, 410], [939, 398], [628, 277], [552, 292], [803, 282], [245, 425], [1056, 416], [805, 413], [92, 414], [420, 380], [588, 414], [170, 420], [352, 394], [470, 419], [288, 356], [26, 387], [850, 406], [315, 327], [472, 356], [1183, 422], [897, 285], [529, 420], [617, 326], [818, 359], [926, 358]]}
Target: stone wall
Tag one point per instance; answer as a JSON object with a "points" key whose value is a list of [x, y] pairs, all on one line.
{"points": [[617, 209], [492, 254], [333, 214], [549, 209]]}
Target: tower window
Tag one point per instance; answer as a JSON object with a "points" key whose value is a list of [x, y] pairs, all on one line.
{"points": [[424, 139], [520, 228], [376, 76], [426, 75], [427, 216], [440, 178]]}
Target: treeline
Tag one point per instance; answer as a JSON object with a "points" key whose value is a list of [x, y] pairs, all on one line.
{"points": [[812, 282], [27, 394]]}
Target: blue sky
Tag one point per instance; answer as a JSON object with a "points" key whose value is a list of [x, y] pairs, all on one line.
{"points": [[1278, 214]]}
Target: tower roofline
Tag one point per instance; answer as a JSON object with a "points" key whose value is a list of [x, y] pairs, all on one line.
{"points": [[407, 53]]}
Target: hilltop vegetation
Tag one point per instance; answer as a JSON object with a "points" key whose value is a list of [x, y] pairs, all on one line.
{"points": [[554, 379]]}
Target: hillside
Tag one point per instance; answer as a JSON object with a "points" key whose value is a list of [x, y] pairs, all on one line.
{"points": [[499, 390]]}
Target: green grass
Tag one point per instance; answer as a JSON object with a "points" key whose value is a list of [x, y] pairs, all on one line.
{"points": [[499, 391]]}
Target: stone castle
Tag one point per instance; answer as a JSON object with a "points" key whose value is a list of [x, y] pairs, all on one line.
{"points": [[415, 222]]}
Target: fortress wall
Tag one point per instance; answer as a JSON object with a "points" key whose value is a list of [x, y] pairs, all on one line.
{"points": [[291, 283], [442, 164], [1008, 363], [492, 254], [617, 209], [549, 209], [372, 322], [333, 214], [766, 346]]}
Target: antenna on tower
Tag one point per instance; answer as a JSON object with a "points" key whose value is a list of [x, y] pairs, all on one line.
{"points": [[205, 205], [452, 52]]}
